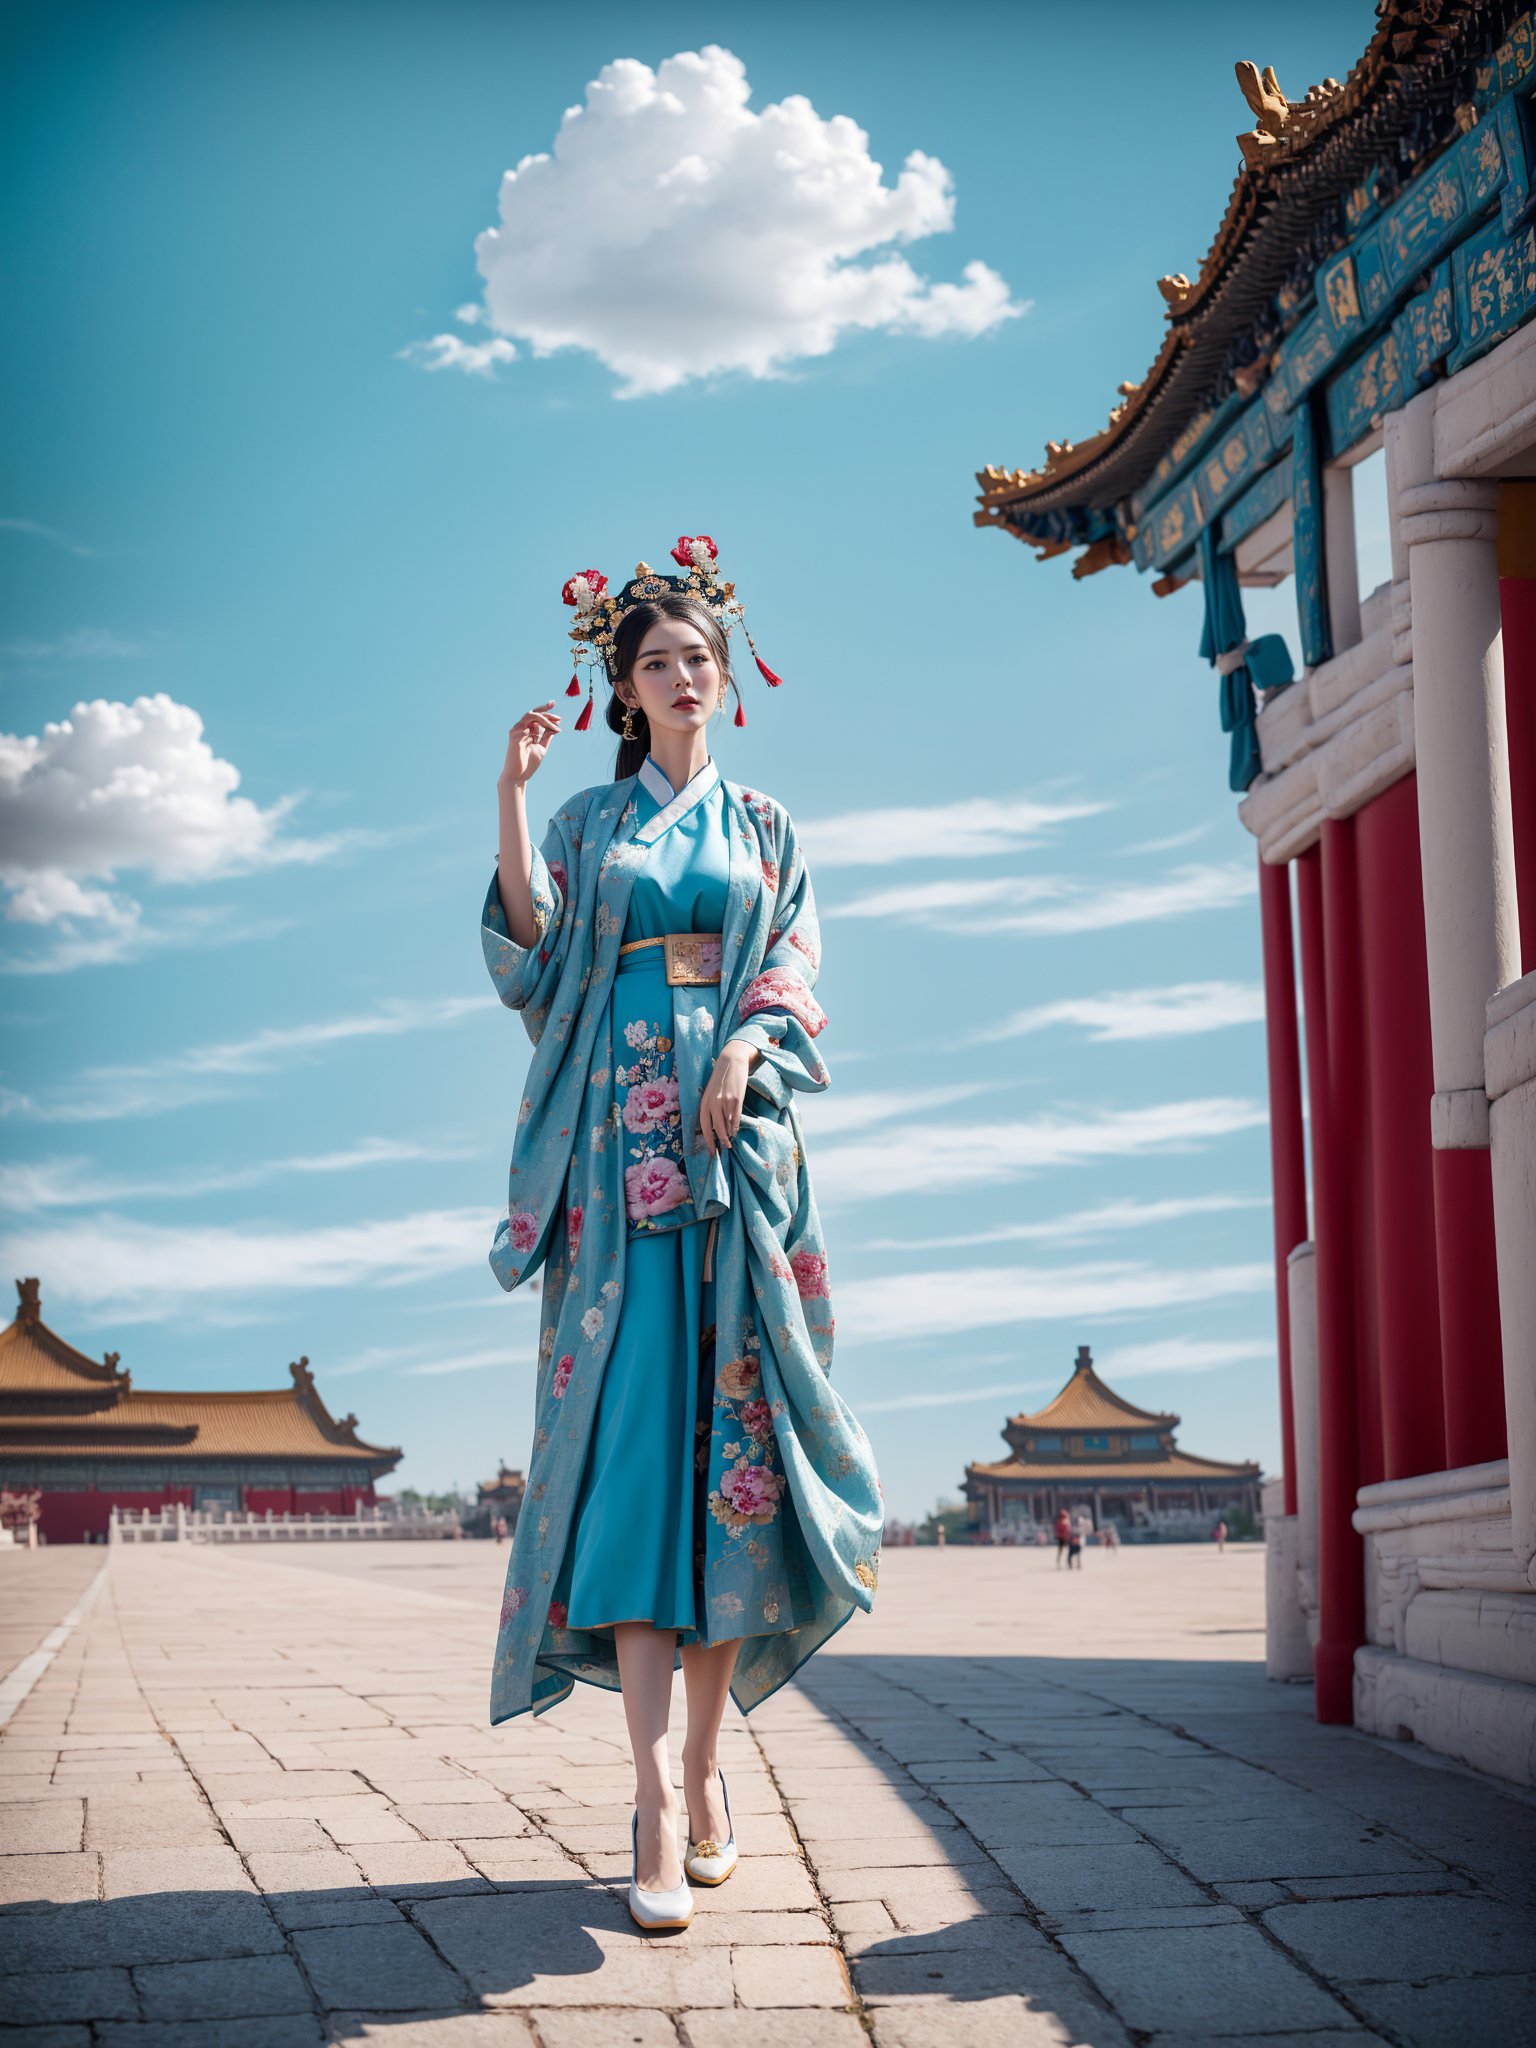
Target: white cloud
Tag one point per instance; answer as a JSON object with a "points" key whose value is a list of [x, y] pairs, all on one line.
{"points": [[84, 643], [200, 1073], [1177, 1012], [449, 352], [133, 787], [946, 1303], [1047, 905], [76, 1183], [142, 1272], [1107, 1220], [969, 829], [924, 1158], [38, 531], [951, 1397], [828, 1115], [1185, 1354], [1174, 841], [675, 234]]}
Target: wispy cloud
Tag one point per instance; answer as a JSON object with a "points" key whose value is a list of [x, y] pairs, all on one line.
{"points": [[1048, 905], [76, 1183], [928, 1157], [202, 1073], [1175, 841], [951, 1397], [1177, 1012], [1083, 1225], [947, 1302], [971, 828], [83, 643], [466, 1361], [828, 1115], [38, 531], [144, 1272], [1185, 1354], [416, 1361]]}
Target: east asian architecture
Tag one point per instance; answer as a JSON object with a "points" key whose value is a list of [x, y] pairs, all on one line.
{"points": [[1091, 1449], [498, 1499], [78, 1429], [1371, 288]]}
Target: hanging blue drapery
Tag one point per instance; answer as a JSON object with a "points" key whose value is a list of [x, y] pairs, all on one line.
{"points": [[1307, 537], [1223, 632]]}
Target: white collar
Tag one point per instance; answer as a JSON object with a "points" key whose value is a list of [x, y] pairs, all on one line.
{"points": [[675, 804]]}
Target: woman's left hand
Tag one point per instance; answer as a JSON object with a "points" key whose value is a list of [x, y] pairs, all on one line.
{"points": [[724, 1093]]}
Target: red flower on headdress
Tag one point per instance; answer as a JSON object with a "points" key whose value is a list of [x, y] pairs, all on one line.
{"points": [[595, 581], [684, 553]]}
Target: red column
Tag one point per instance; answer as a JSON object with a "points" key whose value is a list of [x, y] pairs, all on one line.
{"points": [[1331, 970], [1400, 1077], [1517, 613], [1287, 1156]]}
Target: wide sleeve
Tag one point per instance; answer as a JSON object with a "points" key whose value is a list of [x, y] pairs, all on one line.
{"points": [[524, 977], [777, 1012]]}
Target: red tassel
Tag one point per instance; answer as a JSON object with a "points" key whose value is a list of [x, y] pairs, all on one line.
{"points": [[573, 688], [741, 713], [586, 714], [765, 671]]}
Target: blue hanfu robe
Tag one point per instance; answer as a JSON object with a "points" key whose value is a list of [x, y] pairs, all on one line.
{"points": [[793, 1530]]}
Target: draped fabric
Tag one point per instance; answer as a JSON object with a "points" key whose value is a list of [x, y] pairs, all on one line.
{"points": [[1224, 630], [566, 1220]]}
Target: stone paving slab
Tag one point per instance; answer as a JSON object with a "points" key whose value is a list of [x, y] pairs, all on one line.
{"points": [[255, 1801]]}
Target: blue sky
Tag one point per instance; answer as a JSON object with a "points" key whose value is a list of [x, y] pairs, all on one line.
{"points": [[258, 1092]]}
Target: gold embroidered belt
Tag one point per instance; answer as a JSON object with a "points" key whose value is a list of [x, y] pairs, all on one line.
{"points": [[692, 958]]}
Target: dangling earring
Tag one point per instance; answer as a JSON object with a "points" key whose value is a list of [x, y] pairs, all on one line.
{"points": [[628, 732]]}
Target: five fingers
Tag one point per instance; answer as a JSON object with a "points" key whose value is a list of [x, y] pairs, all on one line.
{"points": [[719, 1120]]}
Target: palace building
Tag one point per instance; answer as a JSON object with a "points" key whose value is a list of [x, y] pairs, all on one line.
{"points": [[1091, 1449], [77, 1428], [1369, 298]]}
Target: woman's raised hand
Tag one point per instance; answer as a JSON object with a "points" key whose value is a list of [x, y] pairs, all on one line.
{"points": [[528, 743]]}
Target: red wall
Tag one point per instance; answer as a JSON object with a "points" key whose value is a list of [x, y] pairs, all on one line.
{"points": [[82, 1517]]}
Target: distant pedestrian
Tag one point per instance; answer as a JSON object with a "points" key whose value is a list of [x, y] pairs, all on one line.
{"points": [[941, 1535], [1063, 1536], [1082, 1527], [1110, 1536], [501, 1528], [1220, 1535]]}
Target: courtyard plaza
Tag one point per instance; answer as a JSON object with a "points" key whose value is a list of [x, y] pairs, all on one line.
{"points": [[252, 1801]]}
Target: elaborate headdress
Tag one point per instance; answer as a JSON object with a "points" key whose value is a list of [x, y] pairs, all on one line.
{"points": [[598, 614]]}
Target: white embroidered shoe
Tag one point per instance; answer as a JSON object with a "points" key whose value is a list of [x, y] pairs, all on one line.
{"points": [[712, 1862], [653, 1910]]}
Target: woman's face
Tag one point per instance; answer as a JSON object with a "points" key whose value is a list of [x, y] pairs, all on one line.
{"points": [[675, 680]]}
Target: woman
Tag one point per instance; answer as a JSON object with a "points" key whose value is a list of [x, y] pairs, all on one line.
{"points": [[697, 1491]]}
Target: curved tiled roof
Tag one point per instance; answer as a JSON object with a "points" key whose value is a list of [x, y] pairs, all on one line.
{"points": [[111, 1418], [1299, 162], [1177, 1465], [1086, 1403], [35, 1359]]}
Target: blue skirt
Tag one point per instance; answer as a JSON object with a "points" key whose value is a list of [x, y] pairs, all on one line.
{"points": [[635, 1550]]}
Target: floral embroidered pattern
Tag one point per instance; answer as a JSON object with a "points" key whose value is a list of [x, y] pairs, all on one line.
{"points": [[563, 1371], [514, 1599], [574, 1218], [655, 1183], [524, 1229], [810, 1271], [780, 989]]}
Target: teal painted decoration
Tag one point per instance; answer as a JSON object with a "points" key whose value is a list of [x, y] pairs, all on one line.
{"points": [[1494, 285], [1255, 505]]}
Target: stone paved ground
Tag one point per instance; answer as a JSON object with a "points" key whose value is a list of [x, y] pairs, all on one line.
{"points": [[253, 1803]]}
